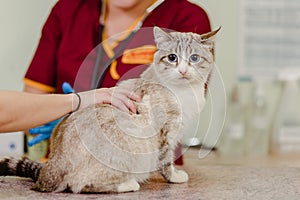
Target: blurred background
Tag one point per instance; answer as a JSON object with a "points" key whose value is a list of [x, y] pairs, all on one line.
{"points": [[253, 103]]}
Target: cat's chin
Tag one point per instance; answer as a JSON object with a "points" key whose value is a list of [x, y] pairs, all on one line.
{"points": [[192, 81], [183, 82]]}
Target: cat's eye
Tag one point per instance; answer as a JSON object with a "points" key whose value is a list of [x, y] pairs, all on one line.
{"points": [[172, 58], [195, 58]]}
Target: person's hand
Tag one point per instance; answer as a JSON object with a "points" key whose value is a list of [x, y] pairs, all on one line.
{"points": [[67, 88], [44, 132], [121, 98]]}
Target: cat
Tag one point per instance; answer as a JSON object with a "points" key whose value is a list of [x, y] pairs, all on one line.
{"points": [[102, 149]]}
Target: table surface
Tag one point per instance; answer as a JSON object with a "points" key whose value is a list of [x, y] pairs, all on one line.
{"points": [[214, 158], [212, 177]]}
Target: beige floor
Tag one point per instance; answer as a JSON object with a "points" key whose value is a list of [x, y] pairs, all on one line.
{"points": [[211, 178]]}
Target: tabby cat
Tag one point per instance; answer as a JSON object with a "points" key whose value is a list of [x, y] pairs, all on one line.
{"points": [[102, 149]]}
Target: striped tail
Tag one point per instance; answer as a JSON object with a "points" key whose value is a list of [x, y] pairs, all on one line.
{"points": [[20, 167]]}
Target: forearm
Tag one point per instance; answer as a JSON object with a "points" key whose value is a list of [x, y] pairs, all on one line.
{"points": [[20, 111]]}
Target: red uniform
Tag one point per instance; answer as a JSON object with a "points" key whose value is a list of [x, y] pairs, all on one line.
{"points": [[71, 32]]}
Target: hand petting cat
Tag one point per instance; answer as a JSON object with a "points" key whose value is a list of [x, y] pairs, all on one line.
{"points": [[118, 97]]}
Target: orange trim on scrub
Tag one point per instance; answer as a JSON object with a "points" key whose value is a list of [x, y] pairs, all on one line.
{"points": [[39, 85], [110, 53], [108, 48], [140, 55]]}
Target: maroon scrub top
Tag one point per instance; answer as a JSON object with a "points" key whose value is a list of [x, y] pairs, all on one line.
{"points": [[65, 51]]}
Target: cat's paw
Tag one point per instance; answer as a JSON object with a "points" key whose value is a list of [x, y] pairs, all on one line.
{"points": [[129, 186], [179, 176]]}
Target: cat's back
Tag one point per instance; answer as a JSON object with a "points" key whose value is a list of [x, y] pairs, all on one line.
{"points": [[101, 124]]}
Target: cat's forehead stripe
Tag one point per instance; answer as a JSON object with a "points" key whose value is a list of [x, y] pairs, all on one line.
{"points": [[187, 39]]}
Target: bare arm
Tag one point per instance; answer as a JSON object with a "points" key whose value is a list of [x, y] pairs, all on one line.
{"points": [[21, 110]]}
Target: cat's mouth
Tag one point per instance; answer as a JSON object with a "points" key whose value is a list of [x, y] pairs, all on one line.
{"points": [[185, 77]]}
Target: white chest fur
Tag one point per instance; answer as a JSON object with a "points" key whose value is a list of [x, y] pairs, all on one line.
{"points": [[191, 99]]}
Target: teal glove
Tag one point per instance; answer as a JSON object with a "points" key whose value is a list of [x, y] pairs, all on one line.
{"points": [[44, 132]]}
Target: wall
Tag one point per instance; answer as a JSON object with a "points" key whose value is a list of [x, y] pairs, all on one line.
{"points": [[224, 14], [20, 22]]}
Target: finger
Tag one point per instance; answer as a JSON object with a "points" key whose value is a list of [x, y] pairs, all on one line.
{"points": [[38, 139], [129, 104], [119, 98], [135, 97], [125, 101], [41, 130], [118, 103], [132, 95], [67, 88]]}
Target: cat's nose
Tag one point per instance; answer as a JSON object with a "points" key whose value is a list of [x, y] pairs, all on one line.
{"points": [[182, 72]]}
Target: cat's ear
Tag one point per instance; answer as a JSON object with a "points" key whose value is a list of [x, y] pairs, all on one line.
{"points": [[209, 38], [210, 35], [161, 36]]}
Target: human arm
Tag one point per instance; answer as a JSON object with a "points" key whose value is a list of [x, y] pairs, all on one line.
{"points": [[18, 109], [44, 132]]}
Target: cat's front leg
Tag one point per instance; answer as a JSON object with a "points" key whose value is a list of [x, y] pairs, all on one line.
{"points": [[171, 174]]}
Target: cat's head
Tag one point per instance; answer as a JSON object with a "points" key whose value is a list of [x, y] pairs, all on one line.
{"points": [[183, 56]]}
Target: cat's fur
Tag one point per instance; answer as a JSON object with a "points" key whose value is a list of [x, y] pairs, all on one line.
{"points": [[102, 149]]}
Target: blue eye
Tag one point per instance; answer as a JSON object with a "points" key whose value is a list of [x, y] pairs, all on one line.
{"points": [[172, 58], [195, 58]]}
